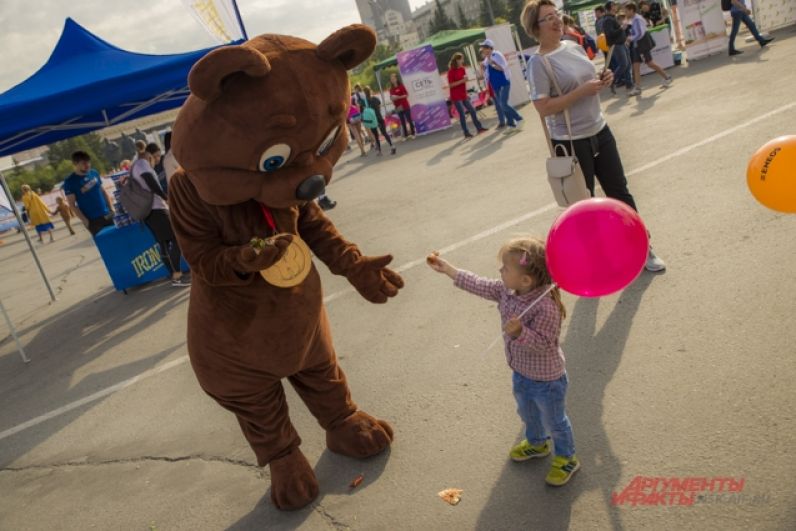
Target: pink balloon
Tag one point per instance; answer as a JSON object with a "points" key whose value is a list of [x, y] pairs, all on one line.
{"points": [[596, 247]]}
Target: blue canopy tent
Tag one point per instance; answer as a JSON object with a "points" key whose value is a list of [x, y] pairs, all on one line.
{"points": [[85, 85]]}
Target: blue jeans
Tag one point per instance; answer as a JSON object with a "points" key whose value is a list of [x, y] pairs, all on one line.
{"points": [[623, 73], [739, 16], [461, 105], [542, 407], [506, 113]]}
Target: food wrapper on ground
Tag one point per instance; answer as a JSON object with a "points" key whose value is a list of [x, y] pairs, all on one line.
{"points": [[356, 481], [452, 496]]}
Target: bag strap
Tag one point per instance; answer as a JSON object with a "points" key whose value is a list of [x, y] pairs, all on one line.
{"points": [[549, 68]]}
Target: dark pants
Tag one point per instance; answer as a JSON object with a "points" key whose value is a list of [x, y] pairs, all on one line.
{"points": [[405, 117], [599, 157], [460, 108], [160, 225], [97, 224], [623, 71], [739, 16], [383, 129]]}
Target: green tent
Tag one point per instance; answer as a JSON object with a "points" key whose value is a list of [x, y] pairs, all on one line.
{"points": [[574, 6], [445, 44]]}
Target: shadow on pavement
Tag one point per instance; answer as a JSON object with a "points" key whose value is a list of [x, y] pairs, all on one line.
{"points": [[334, 473], [521, 495], [61, 346]]}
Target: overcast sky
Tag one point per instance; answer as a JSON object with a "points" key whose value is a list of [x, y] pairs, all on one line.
{"points": [[30, 28]]}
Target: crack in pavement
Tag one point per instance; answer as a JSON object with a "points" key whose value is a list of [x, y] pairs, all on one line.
{"points": [[330, 519], [142, 459], [65, 276]]}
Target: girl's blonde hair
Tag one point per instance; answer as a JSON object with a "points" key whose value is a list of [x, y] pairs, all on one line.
{"points": [[529, 18], [530, 255], [454, 58]]}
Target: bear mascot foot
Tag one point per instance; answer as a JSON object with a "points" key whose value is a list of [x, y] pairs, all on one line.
{"points": [[293, 483], [360, 436]]}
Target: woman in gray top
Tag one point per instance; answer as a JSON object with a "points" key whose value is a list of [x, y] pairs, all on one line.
{"points": [[594, 144]]}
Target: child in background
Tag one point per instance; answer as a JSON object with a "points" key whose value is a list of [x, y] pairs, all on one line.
{"points": [[532, 350], [66, 213]]}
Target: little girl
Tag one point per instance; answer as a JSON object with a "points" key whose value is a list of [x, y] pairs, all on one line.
{"points": [[66, 213], [532, 350]]}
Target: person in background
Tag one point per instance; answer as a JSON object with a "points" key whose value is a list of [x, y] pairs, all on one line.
{"points": [[599, 15], [158, 220], [400, 99], [616, 36], [594, 143], [496, 73], [157, 156], [39, 213], [740, 13], [355, 126], [86, 196], [375, 103], [170, 164], [457, 83], [359, 95], [573, 32], [66, 213], [641, 49]]}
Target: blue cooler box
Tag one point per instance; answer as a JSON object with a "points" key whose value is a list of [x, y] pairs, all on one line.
{"points": [[131, 256]]}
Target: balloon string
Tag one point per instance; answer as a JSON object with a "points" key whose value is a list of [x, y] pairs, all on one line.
{"points": [[540, 297]]}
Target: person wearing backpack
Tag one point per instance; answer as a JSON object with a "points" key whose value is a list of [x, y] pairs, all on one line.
{"points": [[740, 13], [374, 121], [157, 220]]}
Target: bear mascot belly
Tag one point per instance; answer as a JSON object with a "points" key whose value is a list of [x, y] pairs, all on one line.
{"points": [[257, 140]]}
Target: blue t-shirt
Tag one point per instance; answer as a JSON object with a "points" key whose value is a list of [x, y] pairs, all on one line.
{"points": [[87, 190]]}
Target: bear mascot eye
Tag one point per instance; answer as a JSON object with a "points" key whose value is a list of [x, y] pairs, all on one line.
{"points": [[328, 141], [274, 157]]}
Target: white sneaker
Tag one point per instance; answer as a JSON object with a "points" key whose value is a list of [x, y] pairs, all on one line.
{"points": [[635, 92], [654, 264], [667, 81], [520, 125]]}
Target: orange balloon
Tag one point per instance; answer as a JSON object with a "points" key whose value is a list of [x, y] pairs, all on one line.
{"points": [[771, 174], [602, 44]]}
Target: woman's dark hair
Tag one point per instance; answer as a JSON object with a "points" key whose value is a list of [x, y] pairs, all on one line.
{"points": [[152, 148], [167, 142]]}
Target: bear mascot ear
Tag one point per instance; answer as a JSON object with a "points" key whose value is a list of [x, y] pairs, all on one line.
{"points": [[350, 45], [208, 74]]}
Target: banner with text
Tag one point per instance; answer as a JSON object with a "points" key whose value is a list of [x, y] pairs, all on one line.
{"points": [[427, 98]]}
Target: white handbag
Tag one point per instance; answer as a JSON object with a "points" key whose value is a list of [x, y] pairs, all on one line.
{"points": [[563, 170]]}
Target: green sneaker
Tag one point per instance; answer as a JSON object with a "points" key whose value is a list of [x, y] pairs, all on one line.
{"points": [[525, 451], [561, 470]]}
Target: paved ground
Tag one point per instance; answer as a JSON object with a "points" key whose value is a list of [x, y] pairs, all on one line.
{"points": [[688, 374]]}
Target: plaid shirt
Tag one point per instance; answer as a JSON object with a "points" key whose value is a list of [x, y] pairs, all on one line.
{"points": [[535, 354]]}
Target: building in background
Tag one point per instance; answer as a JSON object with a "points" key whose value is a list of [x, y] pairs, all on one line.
{"points": [[392, 20], [454, 9]]}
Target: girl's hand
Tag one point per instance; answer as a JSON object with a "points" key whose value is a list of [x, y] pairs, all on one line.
{"points": [[513, 327], [440, 265]]}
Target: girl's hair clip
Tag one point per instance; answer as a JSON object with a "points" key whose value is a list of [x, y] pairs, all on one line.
{"points": [[524, 258]]}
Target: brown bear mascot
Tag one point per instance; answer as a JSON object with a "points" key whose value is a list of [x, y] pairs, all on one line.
{"points": [[257, 141]]}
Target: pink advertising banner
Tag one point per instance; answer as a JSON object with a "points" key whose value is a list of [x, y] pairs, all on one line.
{"points": [[429, 109]]}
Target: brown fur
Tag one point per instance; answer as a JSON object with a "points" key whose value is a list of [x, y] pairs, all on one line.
{"points": [[244, 335]]}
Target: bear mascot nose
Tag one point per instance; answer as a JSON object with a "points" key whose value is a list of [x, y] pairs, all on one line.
{"points": [[311, 188]]}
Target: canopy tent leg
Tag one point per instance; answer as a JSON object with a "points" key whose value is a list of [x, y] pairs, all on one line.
{"points": [[27, 236], [14, 333]]}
